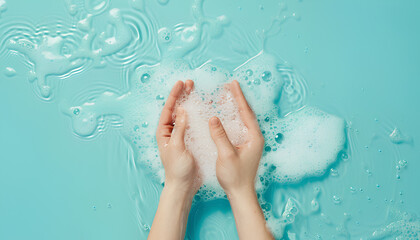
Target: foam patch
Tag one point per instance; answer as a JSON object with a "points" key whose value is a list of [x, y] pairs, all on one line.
{"points": [[200, 106]]}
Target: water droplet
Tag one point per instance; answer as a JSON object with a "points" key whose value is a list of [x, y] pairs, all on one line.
{"points": [[402, 163], [266, 76], [266, 206], [145, 124], [145, 78], [257, 81], [336, 199], [109, 205], [344, 156], [314, 205], [249, 72], [267, 119], [165, 35], [136, 128], [9, 72], [279, 138], [317, 190], [146, 227], [3, 6], [290, 218], [214, 69], [397, 137], [334, 172], [352, 190], [160, 97], [76, 111], [267, 148], [163, 2]]}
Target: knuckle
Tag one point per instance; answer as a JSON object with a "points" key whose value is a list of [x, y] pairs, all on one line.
{"points": [[259, 140], [229, 154], [220, 133]]}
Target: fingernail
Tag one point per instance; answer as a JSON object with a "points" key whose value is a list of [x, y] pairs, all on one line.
{"points": [[188, 89], [214, 121]]}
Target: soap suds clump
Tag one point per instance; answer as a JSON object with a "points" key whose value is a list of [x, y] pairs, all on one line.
{"points": [[200, 106], [302, 144]]}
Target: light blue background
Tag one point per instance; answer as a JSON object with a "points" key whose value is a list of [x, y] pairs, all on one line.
{"points": [[361, 60]]}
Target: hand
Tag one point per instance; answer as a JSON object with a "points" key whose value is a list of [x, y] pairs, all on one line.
{"points": [[181, 172], [237, 166]]}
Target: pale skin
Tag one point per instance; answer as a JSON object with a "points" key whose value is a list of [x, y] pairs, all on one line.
{"points": [[236, 169]]}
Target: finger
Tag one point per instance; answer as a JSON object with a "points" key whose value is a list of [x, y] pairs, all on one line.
{"points": [[178, 133], [166, 115], [245, 111], [220, 138], [189, 86], [165, 120]]}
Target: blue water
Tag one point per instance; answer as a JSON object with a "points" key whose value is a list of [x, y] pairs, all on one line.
{"points": [[69, 171]]}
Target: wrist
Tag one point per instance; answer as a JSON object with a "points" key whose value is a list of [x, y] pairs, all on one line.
{"points": [[178, 191], [244, 193]]}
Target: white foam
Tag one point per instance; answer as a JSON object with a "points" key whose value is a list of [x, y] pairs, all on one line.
{"points": [[200, 106], [311, 142]]}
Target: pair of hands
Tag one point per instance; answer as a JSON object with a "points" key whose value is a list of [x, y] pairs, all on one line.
{"points": [[236, 166]]}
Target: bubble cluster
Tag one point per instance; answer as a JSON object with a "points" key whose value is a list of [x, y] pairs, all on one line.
{"points": [[408, 227]]}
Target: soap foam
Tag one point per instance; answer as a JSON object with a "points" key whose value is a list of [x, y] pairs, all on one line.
{"points": [[311, 141], [200, 106]]}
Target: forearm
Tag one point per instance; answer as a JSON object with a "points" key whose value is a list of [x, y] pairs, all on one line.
{"points": [[171, 218], [250, 220]]}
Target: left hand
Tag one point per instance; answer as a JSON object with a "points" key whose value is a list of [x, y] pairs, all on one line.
{"points": [[181, 171]]}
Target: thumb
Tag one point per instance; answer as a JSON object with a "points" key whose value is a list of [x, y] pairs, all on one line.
{"points": [[220, 138], [178, 133]]}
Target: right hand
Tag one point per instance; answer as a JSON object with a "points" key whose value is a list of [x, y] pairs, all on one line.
{"points": [[237, 166]]}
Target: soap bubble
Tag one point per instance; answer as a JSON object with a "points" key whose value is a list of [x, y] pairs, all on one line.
{"points": [[266, 76], [145, 78]]}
